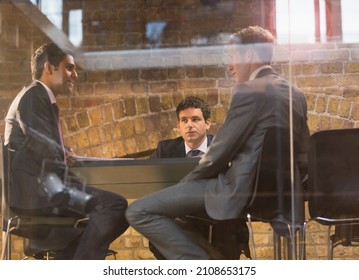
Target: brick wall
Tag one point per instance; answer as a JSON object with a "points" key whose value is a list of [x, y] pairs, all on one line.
{"points": [[125, 112]]}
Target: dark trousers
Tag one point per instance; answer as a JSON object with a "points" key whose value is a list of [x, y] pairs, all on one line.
{"points": [[106, 222]]}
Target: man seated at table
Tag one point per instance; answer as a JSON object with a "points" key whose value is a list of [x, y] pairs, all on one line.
{"points": [[193, 123]]}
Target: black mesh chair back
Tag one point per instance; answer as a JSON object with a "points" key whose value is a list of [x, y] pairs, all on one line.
{"points": [[272, 198], [32, 227], [333, 183], [274, 195], [334, 175]]}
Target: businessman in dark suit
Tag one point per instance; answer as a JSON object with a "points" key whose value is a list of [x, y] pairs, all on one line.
{"points": [[33, 136], [222, 184], [193, 122]]}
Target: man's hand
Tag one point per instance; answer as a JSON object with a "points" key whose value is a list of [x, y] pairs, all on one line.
{"points": [[71, 157]]}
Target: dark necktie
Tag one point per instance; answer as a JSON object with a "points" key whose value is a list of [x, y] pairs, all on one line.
{"points": [[194, 153], [56, 109]]}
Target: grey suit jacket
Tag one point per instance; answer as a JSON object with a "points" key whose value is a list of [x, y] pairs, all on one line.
{"points": [[230, 163]]}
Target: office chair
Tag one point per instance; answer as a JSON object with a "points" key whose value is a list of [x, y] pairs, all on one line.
{"points": [[333, 184], [271, 201], [27, 226], [274, 197]]}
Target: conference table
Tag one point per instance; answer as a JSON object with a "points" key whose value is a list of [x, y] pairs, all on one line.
{"points": [[133, 178]]}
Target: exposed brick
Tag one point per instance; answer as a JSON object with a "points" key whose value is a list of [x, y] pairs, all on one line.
{"points": [[118, 110], [139, 87], [94, 136], [330, 55], [226, 83], [113, 76], [310, 69], [119, 149], [82, 139], [95, 116], [212, 97], [325, 122], [86, 102], [311, 99], [166, 102], [107, 150], [142, 105], [71, 123], [166, 86], [356, 111], [155, 103], [177, 73], [218, 115], [130, 75], [131, 145], [106, 133], [93, 77], [154, 74], [352, 67], [139, 125], [344, 108], [351, 91], [83, 119], [142, 143], [194, 72], [128, 128], [321, 105], [334, 67], [333, 106], [313, 122], [130, 107], [189, 84], [106, 113]]}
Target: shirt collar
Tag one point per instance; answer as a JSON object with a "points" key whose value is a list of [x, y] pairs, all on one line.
{"points": [[49, 92], [255, 73], [203, 147]]}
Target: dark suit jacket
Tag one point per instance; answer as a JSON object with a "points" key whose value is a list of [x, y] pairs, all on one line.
{"points": [[173, 148], [231, 161], [31, 109]]}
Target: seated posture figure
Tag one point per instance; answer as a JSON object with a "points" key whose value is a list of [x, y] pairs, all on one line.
{"points": [[33, 135], [222, 183], [193, 122]]}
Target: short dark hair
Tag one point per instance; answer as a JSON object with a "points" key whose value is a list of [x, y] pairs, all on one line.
{"points": [[194, 102], [255, 35], [47, 52]]}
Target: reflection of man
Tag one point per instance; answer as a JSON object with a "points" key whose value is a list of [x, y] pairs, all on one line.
{"points": [[33, 135], [193, 123], [222, 183]]}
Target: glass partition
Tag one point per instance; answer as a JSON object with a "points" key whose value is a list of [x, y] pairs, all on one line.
{"points": [[137, 60]]}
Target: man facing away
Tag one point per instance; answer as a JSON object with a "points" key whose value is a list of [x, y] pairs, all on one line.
{"points": [[193, 123], [33, 137], [222, 183]]}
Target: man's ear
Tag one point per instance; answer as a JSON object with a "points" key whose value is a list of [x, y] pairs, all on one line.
{"points": [[48, 67], [208, 123]]}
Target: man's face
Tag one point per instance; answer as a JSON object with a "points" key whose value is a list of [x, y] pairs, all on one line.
{"points": [[238, 65], [192, 126], [64, 77]]}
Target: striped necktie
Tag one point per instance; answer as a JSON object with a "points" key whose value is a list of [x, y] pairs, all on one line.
{"points": [[194, 153]]}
